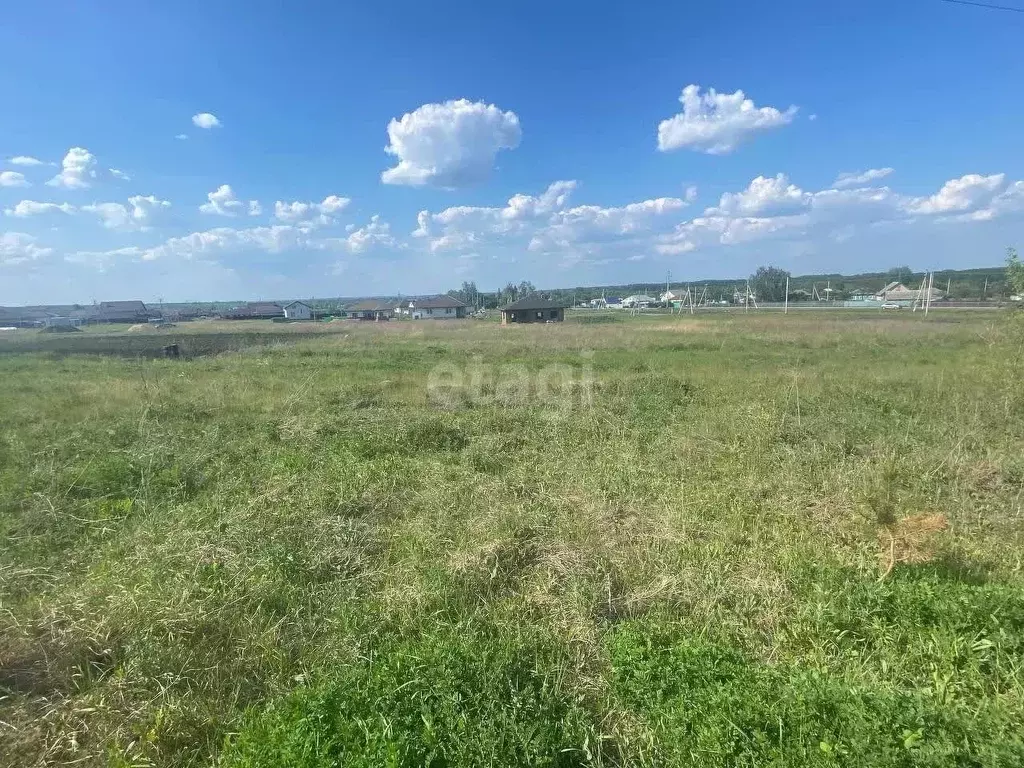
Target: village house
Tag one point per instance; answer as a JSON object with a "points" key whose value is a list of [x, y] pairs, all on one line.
{"points": [[431, 308], [534, 310], [899, 293], [121, 312], [371, 309], [638, 301], [298, 310], [254, 310], [437, 308]]}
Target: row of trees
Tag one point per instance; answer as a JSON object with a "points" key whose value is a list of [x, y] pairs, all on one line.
{"points": [[475, 298], [768, 284]]}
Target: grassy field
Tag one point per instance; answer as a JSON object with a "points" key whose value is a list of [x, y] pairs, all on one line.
{"points": [[713, 541]]}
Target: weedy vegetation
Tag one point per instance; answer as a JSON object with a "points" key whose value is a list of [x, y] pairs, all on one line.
{"points": [[743, 540]]}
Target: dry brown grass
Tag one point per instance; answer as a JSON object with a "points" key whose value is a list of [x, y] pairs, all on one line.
{"points": [[912, 540]]}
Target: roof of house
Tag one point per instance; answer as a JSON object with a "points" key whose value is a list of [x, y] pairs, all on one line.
{"points": [[123, 306], [437, 302], [371, 305], [262, 307], [536, 302], [898, 290], [297, 304]]}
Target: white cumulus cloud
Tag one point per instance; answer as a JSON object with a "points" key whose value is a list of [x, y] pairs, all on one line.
{"points": [[844, 180], [17, 248], [208, 245], [222, 202], [26, 208], [25, 160], [77, 168], [205, 120], [964, 195], [376, 234], [136, 215], [119, 174], [776, 208], [298, 211], [764, 196], [547, 224], [12, 179], [449, 145], [716, 123]]}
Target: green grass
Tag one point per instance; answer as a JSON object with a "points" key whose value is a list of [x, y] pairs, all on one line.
{"points": [[286, 550]]}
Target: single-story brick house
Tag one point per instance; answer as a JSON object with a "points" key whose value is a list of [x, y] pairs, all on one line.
{"points": [[534, 310], [434, 308], [371, 309]]}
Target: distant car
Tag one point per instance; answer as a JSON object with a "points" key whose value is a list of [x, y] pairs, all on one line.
{"points": [[890, 305]]}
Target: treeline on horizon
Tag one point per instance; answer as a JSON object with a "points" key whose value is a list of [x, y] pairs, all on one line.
{"points": [[767, 283]]}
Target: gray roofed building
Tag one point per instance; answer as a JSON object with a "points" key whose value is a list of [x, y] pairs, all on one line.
{"points": [[372, 309], [534, 309], [122, 312], [438, 302], [253, 310]]}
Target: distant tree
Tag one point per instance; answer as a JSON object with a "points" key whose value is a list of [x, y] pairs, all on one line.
{"points": [[467, 293], [769, 284], [899, 275], [509, 293], [526, 288], [1014, 272]]}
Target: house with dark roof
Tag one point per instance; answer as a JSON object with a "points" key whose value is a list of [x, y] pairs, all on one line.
{"points": [[534, 309], [121, 312], [435, 308], [37, 316], [298, 310], [254, 310], [371, 309]]}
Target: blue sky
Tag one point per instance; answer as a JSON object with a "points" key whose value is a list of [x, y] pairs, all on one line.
{"points": [[537, 141]]}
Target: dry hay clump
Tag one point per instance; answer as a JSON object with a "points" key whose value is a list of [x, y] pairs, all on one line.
{"points": [[912, 539]]}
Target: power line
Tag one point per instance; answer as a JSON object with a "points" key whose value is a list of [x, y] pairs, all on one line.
{"points": [[988, 6]]}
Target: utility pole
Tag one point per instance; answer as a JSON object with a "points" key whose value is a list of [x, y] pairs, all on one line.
{"points": [[786, 310]]}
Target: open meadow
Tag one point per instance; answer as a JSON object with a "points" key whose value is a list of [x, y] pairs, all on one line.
{"points": [[657, 541]]}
